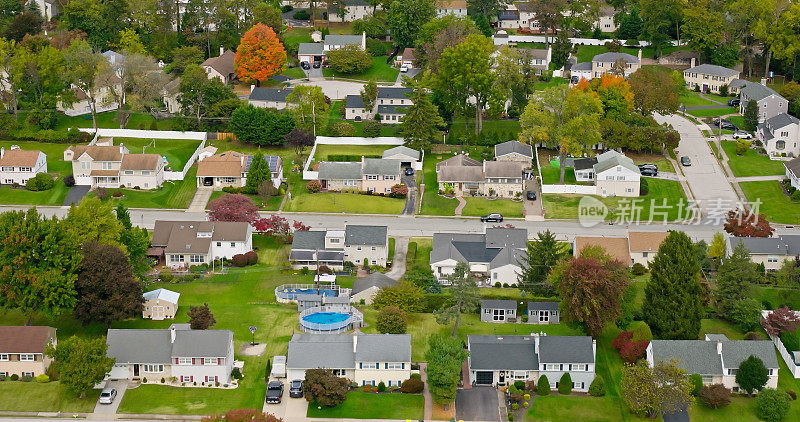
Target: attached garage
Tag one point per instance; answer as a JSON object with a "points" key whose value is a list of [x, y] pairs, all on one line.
{"points": [[484, 377]]}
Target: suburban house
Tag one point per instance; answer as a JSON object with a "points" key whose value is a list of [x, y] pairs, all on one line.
{"points": [[500, 360], [379, 174], [616, 175], [230, 169], [605, 19], [22, 350], [715, 358], [83, 104], [314, 52], [643, 246], [365, 359], [543, 313], [181, 244], [539, 58], [350, 10], [47, 8], [780, 135], [160, 304], [503, 178], [770, 103], [407, 57], [452, 7], [333, 248], [584, 169], [170, 96], [578, 71], [460, 173], [111, 166], [769, 251], [18, 165], [513, 151], [375, 175], [390, 104], [268, 97], [408, 157], [519, 16], [493, 310], [616, 247], [614, 62], [492, 257], [222, 67], [365, 288], [793, 172], [709, 77], [192, 356]]}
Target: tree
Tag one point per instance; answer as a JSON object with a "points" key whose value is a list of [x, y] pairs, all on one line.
{"points": [[420, 126], [422, 277], [106, 289], [561, 49], [487, 8], [549, 14], [231, 207], [101, 20], [515, 75], [38, 75], [200, 317], [445, 356], [198, 94], [592, 291], [673, 297], [615, 94], [299, 139], [84, 67], [406, 18], [182, 57], [23, 24], [8, 10], [704, 27], [349, 59], [465, 297], [274, 226], [324, 388], [565, 384], [260, 54], [136, 83], [780, 321], [750, 116], [746, 314], [654, 90], [658, 20], [439, 34], [93, 221], [260, 126], [772, 405], [752, 375], [562, 118], [391, 320], [307, 102], [716, 250], [136, 240], [741, 223], [269, 15], [630, 25], [45, 284], [543, 385], [258, 172], [715, 395], [404, 295], [82, 363], [542, 255], [734, 280], [665, 388], [639, 389], [243, 415], [369, 94]]}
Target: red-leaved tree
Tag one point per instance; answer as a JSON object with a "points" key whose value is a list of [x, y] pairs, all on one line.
{"points": [[231, 207], [741, 223], [591, 292], [260, 54], [298, 226], [780, 320], [399, 191], [274, 225]]}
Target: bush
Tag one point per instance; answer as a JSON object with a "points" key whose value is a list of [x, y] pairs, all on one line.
{"points": [[723, 90], [26, 378], [772, 405], [301, 15], [399, 191], [597, 388], [514, 406], [795, 196], [343, 129], [239, 260], [313, 186], [69, 181], [391, 320], [117, 194], [377, 48], [372, 129], [697, 383], [236, 374], [42, 378], [519, 385], [565, 384], [622, 339], [163, 380], [715, 395], [792, 394], [166, 276], [144, 380], [252, 257], [14, 377], [638, 269], [40, 182], [381, 387], [286, 8], [101, 193], [412, 385], [742, 145], [349, 59], [644, 188], [543, 386]]}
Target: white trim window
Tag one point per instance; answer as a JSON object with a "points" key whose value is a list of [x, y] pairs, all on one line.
{"points": [[197, 258], [184, 361], [27, 358], [369, 365], [152, 368], [579, 367], [339, 372], [552, 366], [175, 258], [520, 375], [394, 365], [4, 357], [211, 361], [27, 374]]}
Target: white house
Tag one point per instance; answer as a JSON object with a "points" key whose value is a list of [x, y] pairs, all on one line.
{"points": [[335, 247], [160, 304], [314, 52], [493, 257], [351, 10], [184, 243], [390, 104], [268, 97], [616, 175], [771, 252], [222, 67], [780, 135], [111, 166], [18, 165], [793, 172], [453, 7], [83, 104]]}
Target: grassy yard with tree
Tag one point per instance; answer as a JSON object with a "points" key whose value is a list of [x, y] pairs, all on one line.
{"points": [[177, 151], [361, 405], [778, 207], [713, 112], [379, 71], [751, 163]]}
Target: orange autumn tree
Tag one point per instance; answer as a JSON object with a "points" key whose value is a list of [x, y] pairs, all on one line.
{"points": [[613, 91], [260, 54]]}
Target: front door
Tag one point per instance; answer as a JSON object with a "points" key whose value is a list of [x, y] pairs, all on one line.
{"points": [[158, 312], [136, 370], [502, 378], [324, 184], [544, 316]]}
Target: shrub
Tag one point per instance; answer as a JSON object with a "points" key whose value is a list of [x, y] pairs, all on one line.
{"points": [[343, 129], [287, 8], [163, 380], [792, 394], [543, 386], [597, 388], [301, 15], [101, 193], [714, 395], [633, 351], [26, 378], [399, 191], [519, 385], [240, 260], [622, 339], [117, 194], [313, 186], [40, 182], [514, 406], [69, 181], [166, 276], [772, 405], [372, 129], [530, 385], [697, 383], [391, 320], [144, 380], [644, 188], [795, 196], [376, 48], [42, 378], [565, 384], [412, 385], [742, 145], [236, 374], [497, 284], [526, 396], [381, 387], [752, 335], [723, 90], [14, 377], [252, 257], [638, 269]]}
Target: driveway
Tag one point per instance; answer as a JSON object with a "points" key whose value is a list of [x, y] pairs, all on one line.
{"points": [[313, 73], [533, 209], [111, 409], [477, 404], [335, 89], [410, 74], [399, 258], [411, 199], [288, 409], [680, 416], [712, 191], [75, 194]]}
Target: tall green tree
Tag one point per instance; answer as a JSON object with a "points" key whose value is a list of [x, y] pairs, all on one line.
{"points": [[84, 68], [260, 126], [735, 279], [258, 172], [515, 75], [369, 94], [660, 19], [703, 27], [420, 126], [752, 374], [82, 363], [306, 102], [439, 34], [549, 14], [406, 17], [101, 20], [744, 15], [465, 297], [444, 358], [107, 289], [664, 388], [487, 8], [562, 48], [136, 240], [750, 116], [93, 221], [541, 256], [673, 303], [39, 77]]}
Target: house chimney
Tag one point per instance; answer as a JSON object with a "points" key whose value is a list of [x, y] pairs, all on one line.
{"points": [[252, 87], [221, 50], [355, 342], [172, 334], [536, 343], [594, 347], [121, 148], [640, 56], [719, 347], [693, 62], [2, 152]]}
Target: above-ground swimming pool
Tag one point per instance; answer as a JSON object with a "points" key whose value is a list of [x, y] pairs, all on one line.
{"points": [[328, 319], [289, 294]]}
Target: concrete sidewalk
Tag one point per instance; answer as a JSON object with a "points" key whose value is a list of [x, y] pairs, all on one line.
{"points": [[200, 200]]}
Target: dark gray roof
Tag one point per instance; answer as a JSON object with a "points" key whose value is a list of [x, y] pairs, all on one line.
{"points": [[781, 245], [582, 66], [511, 147], [154, 346], [308, 240], [498, 304], [329, 170], [310, 48], [402, 150], [781, 120], [734, 352], [566, 349], [695, 356], [379, 280], [712, 69], [584, 163], [383, 348], [543, 306], [342, 39], [365, 235], [497, 237], [269, 94], [301, 255], [353, 101], [391, 109], [613, 57], [381, 166], [793, 166], [487, 352], [393, 92], [498, 247], [335, 351], [503, 169], [737, 83], [756, 91], [474, 251], [508, 15], [331, 255]]}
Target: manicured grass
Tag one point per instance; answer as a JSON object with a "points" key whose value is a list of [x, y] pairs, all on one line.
{"points": [[777, 206], [715, 150], [361, 405], [587, 52], [294, 73], [718, 326], [751, 163], [538, 45], [477, 207], [271, 205], [22, 196], [352, 203], [659, 160], [54, 153], [713, 112], [380, 71], [740, 409], [555, 81], [107, 120], [690, 98], [270, 252], [174, 194], [423, 255], [177, 151], [737, 120], [564, 206], [432, 202], [323, 151], [297, 35], [551, 175], [18, 396], [778, 296], [555, 408]]}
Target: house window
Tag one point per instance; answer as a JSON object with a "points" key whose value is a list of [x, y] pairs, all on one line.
{"points": [[780, 145], [552, 367], [27, 358], [770, 371], [184, 361], [372, 177], [219, 244], [579, 366], [772, 259], [733, 371], [145, 173], [3, 374], [334, 240], [27, 374], [128, 172], [176, 258], [358, 248], [544, 316], [394, 365], [153, 368], [197, 258], [25, 169], [498, 315], [186, 378], [8, 169], [520, 375], [707, 379], [388, 177], [373, 248], [106, 165], [211, 361], [85, 165], [577, 385], [339, 372], [4, 358], [368, 365]]}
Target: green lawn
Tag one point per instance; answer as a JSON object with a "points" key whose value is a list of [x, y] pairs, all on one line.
{"points": [[361, 405], [107, 120], [713, 112], [717, 326], [174, 194], [18, 396], [555, 81], [463, 129], [352, 203], [432, 203], [379, 71], [751, 163], [271, 205], [777, 206], [659, 160], [737, 120], [587, 52], [564, 206], [690, 98], [323, 151], [294, 73], [713, 146], [422, 257], [556, 408], [54, 153], [551, 175], [22, 196], [177, 151], [477, 207], [778, 296]]}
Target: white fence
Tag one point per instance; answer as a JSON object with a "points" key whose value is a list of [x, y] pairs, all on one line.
{"points": [[578, 41], [787, 357], [347, 140], [577, 189], [179, 175]]}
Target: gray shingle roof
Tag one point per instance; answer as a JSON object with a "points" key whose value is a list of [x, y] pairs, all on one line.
{"points": [[611, 159], [613, 57], [566, 349], [340, 40], [330, 170], [335, 351], [782, 245], [365, 235], [308, 240], [498, 304], [503, 169], [154, 346], [379, 280], [353, 101], [487, 352], [310, 48], [584, 163], [512, 147], [393, 92], [381, 166], [269, 94], [383, 348], [694, 356], [737, 83], [712, 69], [793, 166], [781, 120], [582, 66], [734, 352], [498, 247], [460, 174], [402, 150], [458, 160], [756, 91], [543, 306], [391, 109]]}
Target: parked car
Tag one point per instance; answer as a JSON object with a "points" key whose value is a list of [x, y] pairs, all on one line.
{"points": [[648, 166], [296, 389], [404, 68], [742, 135], [274, 392], [493, 217], [107, 396], [317, 65], [408, 171], [305, 65], [531, 195], [685, 161], [725, 124], [647, 171], [734, 102]]}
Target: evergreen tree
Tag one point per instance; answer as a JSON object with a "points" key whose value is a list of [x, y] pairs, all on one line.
{"points": [[734, 280], [630, 25], [466, 297], [136, 240], [673, 297], [750, 116], [421, 123], [542, 255], [258, 172], [369, 94], [752, 375]]}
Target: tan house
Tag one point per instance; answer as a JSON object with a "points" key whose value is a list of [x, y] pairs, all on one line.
{"points": [[366, 288], [83, 104], [452, 7], [643, 246], [379, 175], [503, 178], [461, 173], [22, 350], [160, 304], [390, 104], [222, 67], [18, 165], [111, 166], [407, 57], [709, 77], [351, 10], [772, 252], [616, 247], [224, 169], [182, 244], [142, 171], [374, 175], [613, 62]]}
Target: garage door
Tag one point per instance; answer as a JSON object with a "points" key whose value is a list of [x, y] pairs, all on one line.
{"points": [[119, 372], [484, 377]]}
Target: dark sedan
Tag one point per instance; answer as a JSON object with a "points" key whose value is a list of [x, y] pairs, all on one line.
{"points": [[493, 218]]}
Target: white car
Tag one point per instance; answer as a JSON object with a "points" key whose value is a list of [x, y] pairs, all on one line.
{"points": [[742, 135], [404, 68], [107, 396]]}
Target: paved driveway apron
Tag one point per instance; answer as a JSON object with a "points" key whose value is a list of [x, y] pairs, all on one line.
{"points": [[111, 409], [477, 404], [411, 199], [705, 176]]}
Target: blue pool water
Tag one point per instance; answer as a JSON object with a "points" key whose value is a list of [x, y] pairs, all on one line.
{"points": [[292, 293], [326, 317]]}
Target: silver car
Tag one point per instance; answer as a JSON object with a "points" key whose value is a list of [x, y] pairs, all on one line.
{"points": [[742, 135], [107, 396]]}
